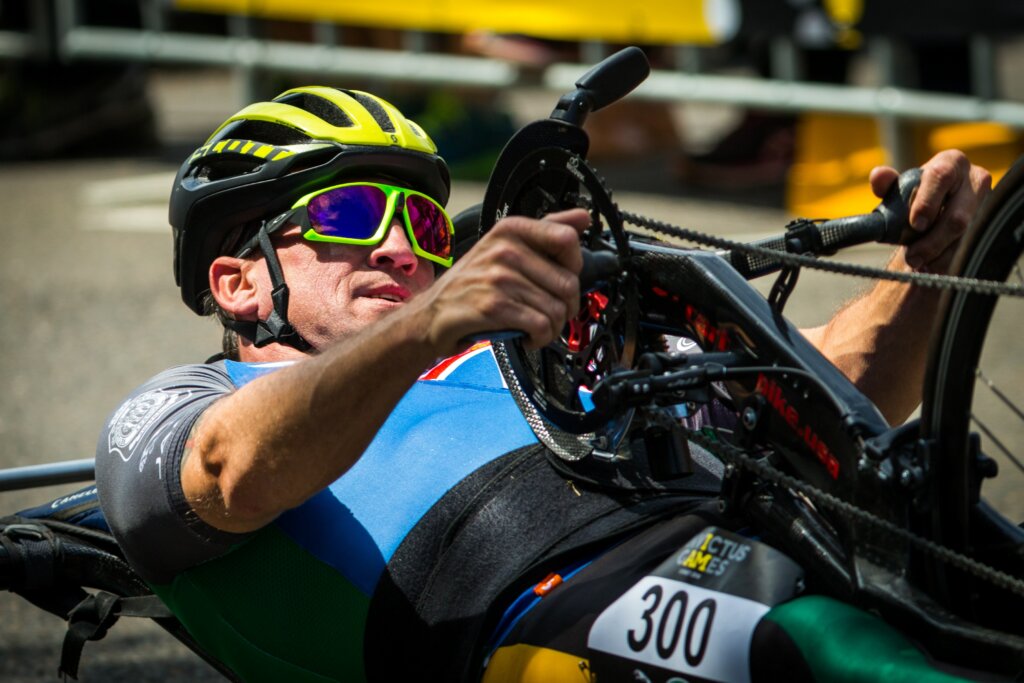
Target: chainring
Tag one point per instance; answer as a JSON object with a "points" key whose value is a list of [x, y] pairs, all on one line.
{"points": [[551, 385]]}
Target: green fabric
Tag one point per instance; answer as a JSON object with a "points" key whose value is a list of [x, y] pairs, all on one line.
{"points": [[843, 644], [273, 612]]}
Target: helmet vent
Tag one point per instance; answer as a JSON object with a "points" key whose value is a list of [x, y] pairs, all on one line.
{"points": [[312, 159], [318, 106], [227, 166], [373, 106], [267, 132]]}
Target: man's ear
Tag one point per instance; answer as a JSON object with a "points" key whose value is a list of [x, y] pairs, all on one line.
{"points": [[234, 288]]}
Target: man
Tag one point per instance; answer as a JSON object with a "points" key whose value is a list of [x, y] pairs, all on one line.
{"points": [[295, 515]]}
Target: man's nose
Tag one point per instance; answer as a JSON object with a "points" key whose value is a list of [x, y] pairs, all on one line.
{"points": [[395, 249]]}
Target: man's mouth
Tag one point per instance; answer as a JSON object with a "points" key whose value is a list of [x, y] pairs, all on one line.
{"points": [[393, 294]]}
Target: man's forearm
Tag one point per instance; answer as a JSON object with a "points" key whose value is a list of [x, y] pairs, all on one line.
{"points": [[880, 341]]}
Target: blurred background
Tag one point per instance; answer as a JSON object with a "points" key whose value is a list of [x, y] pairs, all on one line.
{"points": [[799, 97], [757, 111]]}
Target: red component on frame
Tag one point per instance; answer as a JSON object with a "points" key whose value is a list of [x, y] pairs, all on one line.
{"points": [[579, 327]]}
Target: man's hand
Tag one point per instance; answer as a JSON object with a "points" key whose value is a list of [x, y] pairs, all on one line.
{"points": [[951, 191], [880, 340], [522, 275]]}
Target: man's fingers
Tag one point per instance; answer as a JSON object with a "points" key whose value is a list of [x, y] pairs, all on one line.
{"points": [[577, 218], [942, 176], [523, 275], [943, 206], [514, 305], [515, 259], [556, 240], [945, 230], [542, 316], [881, 179], [950, 192]]}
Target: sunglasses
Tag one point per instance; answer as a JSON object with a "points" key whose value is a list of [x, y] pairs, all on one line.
{"points": [[361, 213]]}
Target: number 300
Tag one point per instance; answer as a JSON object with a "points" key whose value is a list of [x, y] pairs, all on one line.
{"points": [[669, 626]]}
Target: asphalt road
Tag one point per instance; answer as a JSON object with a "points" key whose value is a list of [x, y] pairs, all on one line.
{"points": [[88, 310]]}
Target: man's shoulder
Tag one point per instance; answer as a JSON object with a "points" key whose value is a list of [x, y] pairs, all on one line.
{"points": [[222, 374], [240, 373], [192, 374]]}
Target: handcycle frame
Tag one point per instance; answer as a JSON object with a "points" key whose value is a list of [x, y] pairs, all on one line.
{"points": [[796, 409]]}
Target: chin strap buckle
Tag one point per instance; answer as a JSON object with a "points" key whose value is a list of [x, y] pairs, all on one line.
{"points": [[276, 328]]}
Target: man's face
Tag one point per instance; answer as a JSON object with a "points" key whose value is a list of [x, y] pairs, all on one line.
{"points": [[338, 289]]}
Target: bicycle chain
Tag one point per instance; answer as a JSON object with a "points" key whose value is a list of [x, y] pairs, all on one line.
{"points": [[935, 281], [736, 456]]}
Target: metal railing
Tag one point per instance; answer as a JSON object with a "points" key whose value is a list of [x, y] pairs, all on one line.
{"points": [[251, 55]]}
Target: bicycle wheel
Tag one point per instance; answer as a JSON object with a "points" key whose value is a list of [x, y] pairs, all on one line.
{"points": [[972, 412]]}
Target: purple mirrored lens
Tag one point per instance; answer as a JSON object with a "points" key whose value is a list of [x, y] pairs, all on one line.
{"points": [[429, 225], [354, 212]]}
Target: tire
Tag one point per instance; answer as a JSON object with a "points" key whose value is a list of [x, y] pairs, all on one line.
{"points": [[957, 517]]}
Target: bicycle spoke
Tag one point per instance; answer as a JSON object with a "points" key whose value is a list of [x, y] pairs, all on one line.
{"points": [[999, 444], [999, 394]]}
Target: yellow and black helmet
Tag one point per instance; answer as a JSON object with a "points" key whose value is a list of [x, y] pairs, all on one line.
{"points": [[265, 157]]}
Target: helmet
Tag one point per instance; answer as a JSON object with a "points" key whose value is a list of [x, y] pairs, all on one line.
{"points": [[267, 156]]}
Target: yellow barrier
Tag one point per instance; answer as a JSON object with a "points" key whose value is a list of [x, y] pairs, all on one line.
{"points": [[698, 22], [835, 154]]}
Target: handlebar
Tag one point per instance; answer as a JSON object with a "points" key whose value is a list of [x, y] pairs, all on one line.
{"points": [[889, 223]]}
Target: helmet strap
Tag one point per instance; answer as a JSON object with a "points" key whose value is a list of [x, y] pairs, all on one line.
{"points": [[276, 328]]}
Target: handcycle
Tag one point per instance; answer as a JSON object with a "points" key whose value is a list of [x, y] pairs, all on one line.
{"points": [[810, 463]]}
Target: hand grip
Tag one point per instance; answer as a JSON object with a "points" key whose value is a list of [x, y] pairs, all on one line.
{"points": [[597, 266], [889, 223], [895, 209], [751, 265]]}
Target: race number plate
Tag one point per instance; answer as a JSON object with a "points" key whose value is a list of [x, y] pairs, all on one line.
{"points": [[695, 614]]}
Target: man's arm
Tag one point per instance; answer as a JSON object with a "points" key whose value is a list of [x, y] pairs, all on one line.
{"points": [[284, 437], [880, 340]]}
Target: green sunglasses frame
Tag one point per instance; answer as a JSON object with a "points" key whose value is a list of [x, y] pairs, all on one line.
{"points": [[299, 214]]}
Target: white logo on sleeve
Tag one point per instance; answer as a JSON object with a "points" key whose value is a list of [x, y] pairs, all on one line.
{"points": [[135, 418]]}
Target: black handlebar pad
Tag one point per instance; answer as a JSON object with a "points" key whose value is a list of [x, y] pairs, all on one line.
{"points": [[615, 77], [610, 80], [895, 209]]}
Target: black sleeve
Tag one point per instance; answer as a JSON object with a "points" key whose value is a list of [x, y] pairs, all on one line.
{"points": [[138, 473]]}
